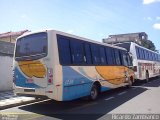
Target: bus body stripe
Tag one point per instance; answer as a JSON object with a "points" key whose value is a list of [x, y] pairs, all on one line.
{"points": [[75, 85], [20, 80]]}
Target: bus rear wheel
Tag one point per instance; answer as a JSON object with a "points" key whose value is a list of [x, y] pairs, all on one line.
{"points": [[94, 92], [147, 77], [130, 82]]}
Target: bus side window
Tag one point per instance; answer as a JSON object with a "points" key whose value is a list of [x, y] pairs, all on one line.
{"points": [[142, 52], [110, 55], [95, 54], [156, 57], [129, 59], [145, 56], [125, 62], [88, 53], [77, 52], [102, 55], [137, 52], [150, 56], [117, 57], [64, 51], [121, 57]]}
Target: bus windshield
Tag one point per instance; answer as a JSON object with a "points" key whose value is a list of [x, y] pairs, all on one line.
{"points": [[125, 45], [31, 47]]}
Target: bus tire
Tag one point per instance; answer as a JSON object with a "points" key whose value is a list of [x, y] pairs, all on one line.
{"points": [[37, 98], [147, 76], [94, 92], [130, 82]]}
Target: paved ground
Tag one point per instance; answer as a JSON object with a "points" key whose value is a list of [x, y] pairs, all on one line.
{"points": [[6, 95], [142, 98], [8, 99]]}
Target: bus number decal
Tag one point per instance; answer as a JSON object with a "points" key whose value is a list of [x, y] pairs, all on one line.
{"points": [[68, 82]]}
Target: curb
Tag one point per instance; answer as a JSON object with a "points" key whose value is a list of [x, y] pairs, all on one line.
{"points": [[19, 103]]}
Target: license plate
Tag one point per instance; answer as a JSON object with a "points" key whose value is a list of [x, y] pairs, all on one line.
{"points": [[29, 81]]}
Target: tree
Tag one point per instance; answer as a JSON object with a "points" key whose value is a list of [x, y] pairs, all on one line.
{"points": [[148, 44]]}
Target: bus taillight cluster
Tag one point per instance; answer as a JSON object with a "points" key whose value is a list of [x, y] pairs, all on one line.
{"points": [[50, 75]]}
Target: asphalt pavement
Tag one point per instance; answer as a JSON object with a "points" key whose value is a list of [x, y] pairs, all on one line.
{"points": [[6, 95], [142, 98], [8, 99]]}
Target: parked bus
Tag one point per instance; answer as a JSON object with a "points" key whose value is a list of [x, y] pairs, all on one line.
{"points": [[64, 67], [146, 62]]}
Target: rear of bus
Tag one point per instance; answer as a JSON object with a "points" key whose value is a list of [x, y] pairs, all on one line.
{"points": [[32, 66]]}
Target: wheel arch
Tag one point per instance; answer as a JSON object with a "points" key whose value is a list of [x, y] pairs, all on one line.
{"points": [[98, 84], [132, 78]]}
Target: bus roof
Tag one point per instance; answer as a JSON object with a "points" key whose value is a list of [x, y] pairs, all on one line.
{"points": [[72, 36], [138, 46]]}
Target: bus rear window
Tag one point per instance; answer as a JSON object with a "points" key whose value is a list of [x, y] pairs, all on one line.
{"points": [[31, 47]]}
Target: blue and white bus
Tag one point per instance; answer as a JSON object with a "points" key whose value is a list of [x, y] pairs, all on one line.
{"points": [[64, 67]]}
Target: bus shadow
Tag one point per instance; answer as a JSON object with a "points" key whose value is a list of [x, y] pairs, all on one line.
{"points": [[83, 109], [153, 82]]}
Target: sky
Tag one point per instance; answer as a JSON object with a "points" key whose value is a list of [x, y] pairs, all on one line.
{"points": [[93, 19]]}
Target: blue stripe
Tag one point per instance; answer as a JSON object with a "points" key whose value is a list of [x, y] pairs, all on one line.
{"points": [[75, 85], [20, 80], [103, 88]]}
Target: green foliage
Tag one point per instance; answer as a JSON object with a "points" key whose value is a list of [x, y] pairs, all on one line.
{"points": [[148, 44]]}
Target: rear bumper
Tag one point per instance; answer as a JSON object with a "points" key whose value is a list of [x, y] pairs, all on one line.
{"points": [[47, 92], [29, 92], [32, 95]]}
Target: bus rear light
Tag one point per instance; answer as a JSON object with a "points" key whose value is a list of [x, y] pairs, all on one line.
{"points": [[50, 75], [58, 85], [50, 81], [49, 91]]}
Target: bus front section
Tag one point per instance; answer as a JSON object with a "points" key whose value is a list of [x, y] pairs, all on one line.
{"points": [[31, 73]]}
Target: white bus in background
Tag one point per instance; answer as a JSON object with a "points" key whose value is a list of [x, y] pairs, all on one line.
{"points": [[146, 62], [64, 67]]}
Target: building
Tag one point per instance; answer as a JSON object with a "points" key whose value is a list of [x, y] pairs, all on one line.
{"points": [[11, 36], [7, 43], [6, 60], [129, 37]]}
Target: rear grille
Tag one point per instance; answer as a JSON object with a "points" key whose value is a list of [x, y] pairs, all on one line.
{"points": [[29, 90]]}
